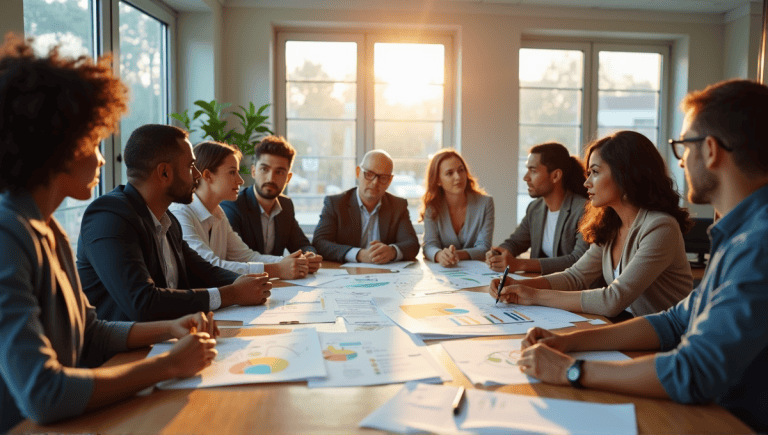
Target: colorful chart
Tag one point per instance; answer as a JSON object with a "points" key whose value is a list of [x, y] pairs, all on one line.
{"points": [[421, 311], [368, 285], [260, 366], [333, 354], [504, 357]]}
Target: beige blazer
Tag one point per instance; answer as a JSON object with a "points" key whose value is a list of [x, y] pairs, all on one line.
{"points": [[654, 274]]}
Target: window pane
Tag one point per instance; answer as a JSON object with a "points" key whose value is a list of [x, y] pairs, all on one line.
{"points": [[550, 106], [409, 139], [551, 68], [409, 63], [627, 109], [409, 101], [321, 121], [321, 100], [143, 64], [639, 71], [531, 136], [69, 23], [320, 60]]}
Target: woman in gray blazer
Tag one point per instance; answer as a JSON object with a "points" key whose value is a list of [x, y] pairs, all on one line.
{"points": [[457, 214], [635, 227], [49, 330]]}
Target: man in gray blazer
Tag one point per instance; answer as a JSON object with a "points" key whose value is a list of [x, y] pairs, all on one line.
{"points": [[366, 224], [551, 222]]}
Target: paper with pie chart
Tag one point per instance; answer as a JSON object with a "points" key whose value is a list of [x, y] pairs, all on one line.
{"points": [[494, 362], [385, 356], [286, 305], [471, 314], [293, 355]]}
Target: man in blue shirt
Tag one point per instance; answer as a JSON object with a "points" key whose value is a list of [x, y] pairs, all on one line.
{"points": [[713, 345]]}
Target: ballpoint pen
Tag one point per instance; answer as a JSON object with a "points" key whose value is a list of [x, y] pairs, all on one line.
{"points": [[501, 284], [458, 400]]}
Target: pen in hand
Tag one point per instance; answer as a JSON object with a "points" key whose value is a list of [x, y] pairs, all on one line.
{"points": [[501, 284]]}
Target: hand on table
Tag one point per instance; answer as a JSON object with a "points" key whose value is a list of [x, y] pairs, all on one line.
{"points": [[377, 253], [499, 258], [193, 323], [251, 289], [447, 256], [314, 261], [191, 354], [513, 292], [293, 266], [545, 363]]}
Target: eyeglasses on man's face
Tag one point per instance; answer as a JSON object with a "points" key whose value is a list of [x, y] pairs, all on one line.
{"points": [[370, 176], [678, 145]]}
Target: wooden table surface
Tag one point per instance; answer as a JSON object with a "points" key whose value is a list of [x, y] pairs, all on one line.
{"points": [[290, 408]]}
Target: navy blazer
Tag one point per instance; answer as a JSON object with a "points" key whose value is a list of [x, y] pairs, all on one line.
{"points": [[244, 215], [340, 226], [120, 268]]}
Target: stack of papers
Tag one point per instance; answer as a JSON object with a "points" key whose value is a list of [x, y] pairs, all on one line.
{"points": [[287, 305], [494, 362], [422, 407]]}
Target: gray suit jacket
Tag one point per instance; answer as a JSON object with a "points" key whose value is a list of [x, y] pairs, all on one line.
{"points": [[655, 272], [475, 236], [340, 226], [569, 245]]}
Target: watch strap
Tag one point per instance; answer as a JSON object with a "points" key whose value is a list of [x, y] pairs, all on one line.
{"points": [[577, 366]]}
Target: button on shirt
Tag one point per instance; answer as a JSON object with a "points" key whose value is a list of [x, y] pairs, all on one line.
{"points": [[715, 342], [370, 224], [268, 225], [170, 268]]}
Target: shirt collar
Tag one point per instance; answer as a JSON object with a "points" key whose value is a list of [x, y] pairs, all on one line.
{"points": [[23, 203], [362, 206], [276, 209], [740, 215], [201, 212], [164, 222]]}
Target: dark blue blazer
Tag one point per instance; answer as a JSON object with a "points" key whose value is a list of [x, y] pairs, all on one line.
{"points": [[120, 268], [244, 216]]}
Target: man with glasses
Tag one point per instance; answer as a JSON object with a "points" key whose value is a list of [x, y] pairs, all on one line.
{"points": [[713, 345], [131, 258], [366, 224]]}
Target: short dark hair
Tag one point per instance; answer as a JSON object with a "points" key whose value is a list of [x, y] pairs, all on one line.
{"points": [[555, 156], [641, 174], [53, 110], [150, 145], [275, 145], [210, 154], [734, 112]]}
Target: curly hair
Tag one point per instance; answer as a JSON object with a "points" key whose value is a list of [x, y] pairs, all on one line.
{"points": [[53, 109], [640, 173], [435, 194], [555, 156]]}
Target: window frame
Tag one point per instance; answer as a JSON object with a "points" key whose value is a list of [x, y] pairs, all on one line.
{"points": [[365, 81]]}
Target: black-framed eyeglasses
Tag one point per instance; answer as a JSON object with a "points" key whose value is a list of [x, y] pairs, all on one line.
{"points": [[370, 176], [678, 145]]}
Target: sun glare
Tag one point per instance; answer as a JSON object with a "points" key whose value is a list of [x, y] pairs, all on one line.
{"points": [[409, 71]]}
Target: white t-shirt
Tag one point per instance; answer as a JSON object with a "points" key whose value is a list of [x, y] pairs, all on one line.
{"points": [[548, 238]]}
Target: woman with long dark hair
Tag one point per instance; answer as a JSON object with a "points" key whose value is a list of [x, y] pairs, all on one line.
{"points": [[458, 215], [635, 226]]}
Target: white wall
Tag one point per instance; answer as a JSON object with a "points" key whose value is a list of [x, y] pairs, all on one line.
{"points": [[12, 17], [488, 46]]}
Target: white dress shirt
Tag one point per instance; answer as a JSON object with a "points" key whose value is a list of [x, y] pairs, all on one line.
{"points": [[211, 235], [370, 224], [268, 225]]}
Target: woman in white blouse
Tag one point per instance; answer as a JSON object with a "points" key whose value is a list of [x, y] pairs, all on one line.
{"points": [[206, 228], [457, 214]]}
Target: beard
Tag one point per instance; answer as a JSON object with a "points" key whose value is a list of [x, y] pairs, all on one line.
{"points": [[180, 192], [701, 186], [266, 195]]}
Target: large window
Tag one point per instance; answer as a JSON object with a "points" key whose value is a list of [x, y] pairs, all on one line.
{"points": [[343, 95], [136, 31], [575, 93]]}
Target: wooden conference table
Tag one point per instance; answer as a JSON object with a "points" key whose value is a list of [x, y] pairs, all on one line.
{"points": [[292, 408]]}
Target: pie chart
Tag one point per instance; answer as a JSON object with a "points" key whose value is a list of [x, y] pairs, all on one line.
{"points": [[334, 354], [260, 366]]}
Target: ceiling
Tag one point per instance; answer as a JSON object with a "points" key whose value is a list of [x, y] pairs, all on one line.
{"points": [[686, 6]]}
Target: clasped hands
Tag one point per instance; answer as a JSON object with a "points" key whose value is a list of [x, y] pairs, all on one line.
{"points": [[195, 349], [298, 265], [499, 258], [544, 356], [447, 257], [377, 253]]}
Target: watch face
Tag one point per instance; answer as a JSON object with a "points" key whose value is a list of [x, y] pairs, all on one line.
{"points": [[573, 374]]}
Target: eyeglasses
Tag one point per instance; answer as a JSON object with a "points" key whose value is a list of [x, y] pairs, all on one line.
{"points": [[370, 176], [678, 146]]}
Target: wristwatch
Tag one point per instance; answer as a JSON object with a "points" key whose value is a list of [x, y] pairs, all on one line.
{"points": [[575, 372]]}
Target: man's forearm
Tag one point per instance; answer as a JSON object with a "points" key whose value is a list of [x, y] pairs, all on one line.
{"points": [[636, 377], [634, 334], [146, 333]]}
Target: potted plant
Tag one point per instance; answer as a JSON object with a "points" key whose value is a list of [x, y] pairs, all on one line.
{"points": [[253, 124]]}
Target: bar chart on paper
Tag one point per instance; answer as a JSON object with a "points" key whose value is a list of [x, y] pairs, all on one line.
{"points": [[446, 314]]}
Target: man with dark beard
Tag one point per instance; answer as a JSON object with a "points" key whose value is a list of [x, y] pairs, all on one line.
{"points": [[264, 217], [131, 258]]}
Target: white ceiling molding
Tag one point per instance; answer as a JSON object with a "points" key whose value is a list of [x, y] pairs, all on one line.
{"points": [[698, 11], [190, 5], [752, 8]]}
